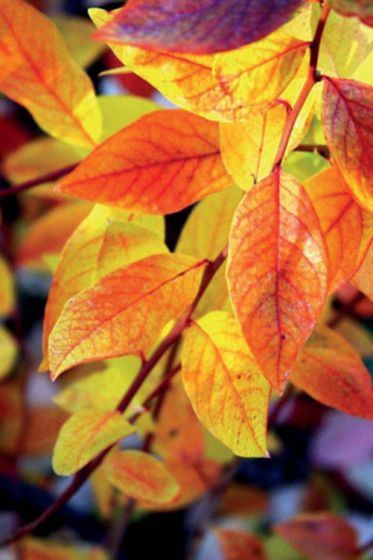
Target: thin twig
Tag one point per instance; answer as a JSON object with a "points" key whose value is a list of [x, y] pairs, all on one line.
{"points": [[320, 149], [46, 178]]}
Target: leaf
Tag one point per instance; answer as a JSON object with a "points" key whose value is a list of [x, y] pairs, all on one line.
{"points": [[230, 544], [38, 549], [7, 289], [332, 372], [277, 275], [320, 536], [249, 147], [257, 75], [124, 312], [196, 27], [104, 242], [77, 34], [8, 352], [119, 111], [48, 234], [85, 434], [162, 163], [45, 79], [363, 9], [204, 235], [141, 476], [347, 118], [43, 425], [225, 385], [363, 279], [346, 227]]}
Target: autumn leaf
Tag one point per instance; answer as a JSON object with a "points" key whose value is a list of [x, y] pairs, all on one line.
{"points": [[196, 27], [347, 228], [141, 476], [231, 544], [8, 352], [249, 147], [162, 163], [124, 312], [85, 434], [42, 549], [77, 33], [205, 234], [7, 289], [347, 117], [225, 385], [363, 9], [332, 372], [320, 536], [45, 79], [363, 279], [105, 241], [277, 273]]}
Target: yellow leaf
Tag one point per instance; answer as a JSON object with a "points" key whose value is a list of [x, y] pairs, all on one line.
{"points": [[119, 111], [141, 476], [37, 72], [85, 434], [228, 391], [8, 352], [7, 292], [77, 33], [125, 311], [37, 549]]}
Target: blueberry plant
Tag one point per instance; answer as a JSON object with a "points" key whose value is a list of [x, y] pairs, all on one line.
{"points": [[174, 363]]}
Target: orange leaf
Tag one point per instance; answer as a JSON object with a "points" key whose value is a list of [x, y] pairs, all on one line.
{"points": [[124, 312], [277, 273], [7, 293], [48, 234], [231, 544], [363, 279], [347, 117], [37, 72], [141, 476], [162, 163], [85, 434], [332, 372], [225, 385], [346, 227], [363, 9], [320, 536], [37, 549]]}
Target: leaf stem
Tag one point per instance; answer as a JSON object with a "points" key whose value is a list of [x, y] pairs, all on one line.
{"points": [[312, 78]]}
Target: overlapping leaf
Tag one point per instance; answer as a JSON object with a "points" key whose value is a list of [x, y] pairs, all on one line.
{"points": [[44, 78], [8, 352], [7, 290], [332, 372], [77, 33], [347, 228], [163, 162], [363, 9], [225, 385], [277, 273], [141, 476], [194, 26], [124, 312], [363, 279], [348, 122], [85, 435]]}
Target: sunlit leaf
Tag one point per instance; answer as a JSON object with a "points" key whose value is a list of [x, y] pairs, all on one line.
{"points": [[125, 311], [85, 435], [141, 476], [363, 279], [37, 549], [235, 545], [320, 536], [77, 33], [277, 273], [225, 385], [197, 26], [348, 122], [347, 228], [119, 111], [44, 78], [332, 372], [363, 9], [8, 352], [163, 162], [7, 293]]}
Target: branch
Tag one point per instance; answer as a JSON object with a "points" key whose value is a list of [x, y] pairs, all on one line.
{"points": [[47, 178], [81, 476], [320, 149]]}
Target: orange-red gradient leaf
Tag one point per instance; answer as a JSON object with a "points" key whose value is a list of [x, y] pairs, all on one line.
{"points": [[237, 545], [85, 434], [363, 9], [124, 312], [162, 163], [277, 272], [321, 536], [227, 389], [141, 476], [347, 228], [332, 372], [197, 26], [347, 117], [37, 71]]}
